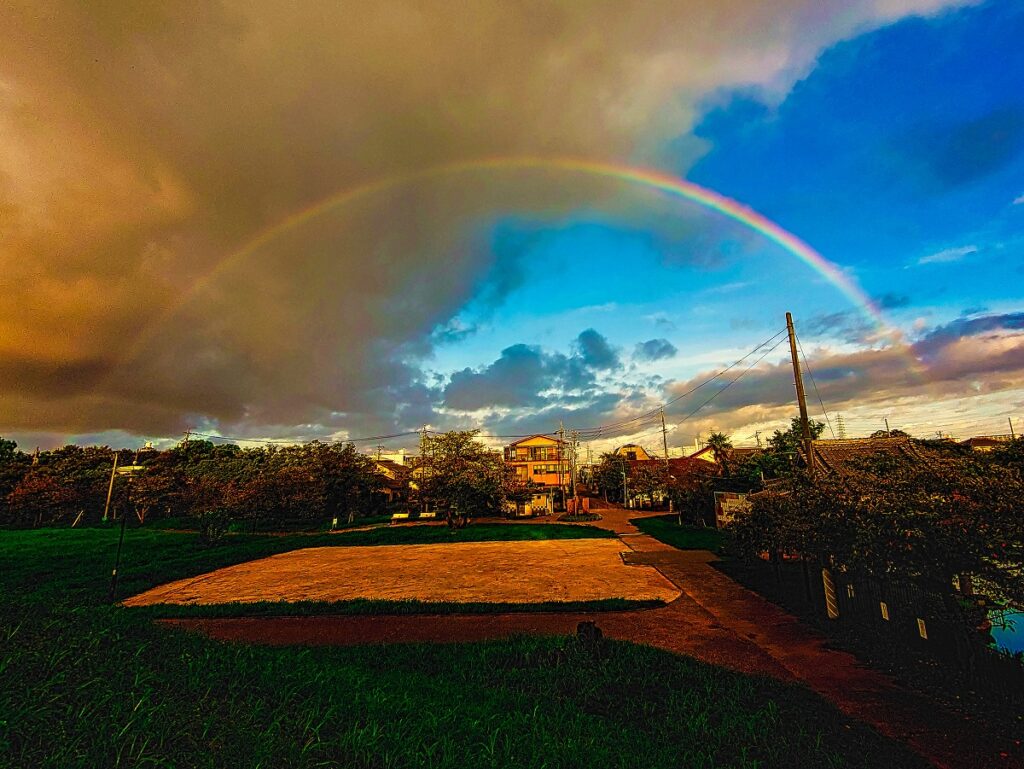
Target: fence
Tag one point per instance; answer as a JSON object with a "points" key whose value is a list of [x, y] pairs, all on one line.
{"points": [[902, 621], [904, 614]]}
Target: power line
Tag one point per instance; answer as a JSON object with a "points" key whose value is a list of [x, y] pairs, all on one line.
{"points": [[726, 387], [653, 414], [814, 385]]}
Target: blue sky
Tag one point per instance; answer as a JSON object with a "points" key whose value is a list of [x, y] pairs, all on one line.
{"points": [[887, 135], [902, 145], [899, 155]]}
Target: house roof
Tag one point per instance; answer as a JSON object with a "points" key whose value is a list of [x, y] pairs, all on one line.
{"points": [[840, 456], [676, 465], [398, 469], [986, 440], [743, 453], [702, 454], [532, 437]]}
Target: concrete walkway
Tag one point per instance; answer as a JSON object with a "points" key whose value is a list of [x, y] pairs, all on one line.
{"points": [[714, 620]]}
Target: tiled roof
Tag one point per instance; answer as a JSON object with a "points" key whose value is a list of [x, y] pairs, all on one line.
{"points": [[531, 437], [677, 465], [840, 456], [395, 467], [986, 440]]}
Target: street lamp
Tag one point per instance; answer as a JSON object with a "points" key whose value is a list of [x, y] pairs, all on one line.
{"points": [[129, 471]]}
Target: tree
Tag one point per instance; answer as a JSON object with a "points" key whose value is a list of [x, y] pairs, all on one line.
{"points": [[608, 476], [647, 482], [890, 434], [720, 445], [925, 522], [347, 478], [463, 478], [13, 466], [693, 497], [779, 460], [39, 498]]}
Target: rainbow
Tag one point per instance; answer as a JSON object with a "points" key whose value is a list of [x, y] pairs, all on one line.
{"points": [[643, 177]]}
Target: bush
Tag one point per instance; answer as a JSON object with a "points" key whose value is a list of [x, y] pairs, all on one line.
{"points": [[213, 525]]}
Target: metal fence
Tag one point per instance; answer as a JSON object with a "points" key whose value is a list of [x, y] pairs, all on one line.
{"points": [[903, 614]]}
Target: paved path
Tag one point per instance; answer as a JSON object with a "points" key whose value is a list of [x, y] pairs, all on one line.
{"points": [[714, 620]]}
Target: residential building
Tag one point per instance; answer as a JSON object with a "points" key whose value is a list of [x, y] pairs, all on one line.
{"points": [[986, 442], [542, 461], [841, 456], [632, 452], [396, 480]]}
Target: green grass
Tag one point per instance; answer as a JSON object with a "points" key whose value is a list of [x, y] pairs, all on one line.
{"points": [[366, 606], [85, 684], [152, 557], [303, 525], [667, 529]]}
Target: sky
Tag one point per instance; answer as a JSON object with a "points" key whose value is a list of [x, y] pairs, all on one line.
{"points": [[346, 220]]}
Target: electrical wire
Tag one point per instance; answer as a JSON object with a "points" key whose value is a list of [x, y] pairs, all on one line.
{"points": [[720, 391], [814, 385], [599, 430]]}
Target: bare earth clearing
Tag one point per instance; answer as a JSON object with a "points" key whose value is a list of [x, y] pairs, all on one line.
{"points": [[487, 572]]}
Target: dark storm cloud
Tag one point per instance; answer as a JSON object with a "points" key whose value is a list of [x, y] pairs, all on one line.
{"points": [[595, 351], [521, 377], [141, 144], [654, 349]]}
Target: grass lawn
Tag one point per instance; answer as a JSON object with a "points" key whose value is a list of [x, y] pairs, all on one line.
{"points": [[85, 684], [667, 529]]}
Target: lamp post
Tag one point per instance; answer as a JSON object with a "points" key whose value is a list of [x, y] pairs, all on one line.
{"points": [[129, 471]]}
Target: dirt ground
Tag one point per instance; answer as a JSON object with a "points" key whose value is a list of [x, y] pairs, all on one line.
{"points": [[487, 572]]}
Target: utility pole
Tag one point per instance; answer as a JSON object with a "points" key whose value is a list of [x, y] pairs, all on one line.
{"points": [[757, 437], [805, 425], [574, 472], [379, 450], [559, 454], [110, 488], [664, 443], [888, 433], [1013, 435], [188, 434]]}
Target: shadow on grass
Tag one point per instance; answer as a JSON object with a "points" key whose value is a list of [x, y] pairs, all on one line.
{"points": [[666, 528], [364, 606]]}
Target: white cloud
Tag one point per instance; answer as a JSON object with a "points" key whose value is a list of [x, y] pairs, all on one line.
{"points": [[1019, 200], [948, 255]]}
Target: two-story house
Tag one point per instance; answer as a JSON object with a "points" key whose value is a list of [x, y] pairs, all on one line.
{"points": [[542, 461]]}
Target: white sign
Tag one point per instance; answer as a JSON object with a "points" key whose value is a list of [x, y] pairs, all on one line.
{"points": [[727, 505]]}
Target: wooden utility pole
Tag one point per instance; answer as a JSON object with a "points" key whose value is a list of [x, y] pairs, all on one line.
{"points": [[559, 453], [1013, 435], [888, 433], [664, 444], [801, 399], [110, 488]]}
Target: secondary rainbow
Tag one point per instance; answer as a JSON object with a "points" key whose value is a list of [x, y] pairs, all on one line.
{"points": [[644, 177]]}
